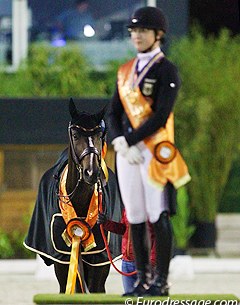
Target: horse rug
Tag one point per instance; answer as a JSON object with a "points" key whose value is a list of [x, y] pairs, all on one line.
{"points": [[47, 224]]}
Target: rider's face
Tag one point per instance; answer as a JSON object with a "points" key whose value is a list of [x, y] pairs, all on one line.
{"points": [[143, 39]]}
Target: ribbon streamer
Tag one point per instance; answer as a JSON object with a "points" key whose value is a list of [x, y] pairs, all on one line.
{"points": [[73, 267]]}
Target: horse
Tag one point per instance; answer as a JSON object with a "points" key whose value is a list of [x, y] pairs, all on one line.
{"points": [[69, 192]]}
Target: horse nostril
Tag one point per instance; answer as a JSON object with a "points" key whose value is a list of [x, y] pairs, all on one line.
{"points": [[88, 173]]}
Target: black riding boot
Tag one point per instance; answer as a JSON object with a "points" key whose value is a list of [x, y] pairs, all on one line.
{"points": [[140, 247], [163, 235]]}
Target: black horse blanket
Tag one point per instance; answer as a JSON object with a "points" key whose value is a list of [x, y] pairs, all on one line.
{"points": [[47, 224]]}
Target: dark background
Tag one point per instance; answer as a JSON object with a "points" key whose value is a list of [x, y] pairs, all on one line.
{"points": [[210, 14], [40, 121], [213, 15]]}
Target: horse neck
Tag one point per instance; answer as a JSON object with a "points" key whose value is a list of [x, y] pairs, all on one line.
{"points": [[82, 195]]}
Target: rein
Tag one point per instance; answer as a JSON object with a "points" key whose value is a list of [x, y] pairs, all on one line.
{"points": [[100, 206], [69, 195]]}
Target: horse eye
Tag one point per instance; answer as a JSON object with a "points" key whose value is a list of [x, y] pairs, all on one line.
{"points": [[75, 136]]}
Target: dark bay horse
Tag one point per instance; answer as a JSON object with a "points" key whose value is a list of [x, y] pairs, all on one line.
{"points": [[68, 191]]}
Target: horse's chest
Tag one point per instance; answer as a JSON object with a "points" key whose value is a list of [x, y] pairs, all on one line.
{"points": [[80, 210], [81, 204]]}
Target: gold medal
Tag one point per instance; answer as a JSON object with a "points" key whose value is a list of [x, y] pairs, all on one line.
{"points": [[132, 96]]}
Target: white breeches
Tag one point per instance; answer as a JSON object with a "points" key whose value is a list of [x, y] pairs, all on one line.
{"points": [[142, 200]]}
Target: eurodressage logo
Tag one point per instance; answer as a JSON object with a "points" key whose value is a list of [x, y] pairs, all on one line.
{"points": [[168, 301]]}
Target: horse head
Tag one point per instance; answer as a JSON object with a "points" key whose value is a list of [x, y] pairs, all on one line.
{"points": [[86, 137]]}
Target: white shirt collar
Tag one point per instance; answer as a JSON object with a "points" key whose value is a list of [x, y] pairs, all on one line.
{"points": [[144, 58]]}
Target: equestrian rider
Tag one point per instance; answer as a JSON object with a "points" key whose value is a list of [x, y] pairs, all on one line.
{"points": [[148, 165]]}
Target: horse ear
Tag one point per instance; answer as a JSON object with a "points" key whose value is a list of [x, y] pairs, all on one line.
{"points": [[72, 109], [100, 115]]}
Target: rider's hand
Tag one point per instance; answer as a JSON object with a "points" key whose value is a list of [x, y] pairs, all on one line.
{"points": [[120, 145], [134, 155], [102, 218]]}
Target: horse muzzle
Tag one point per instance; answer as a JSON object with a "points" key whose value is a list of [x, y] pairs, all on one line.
{"points": [[90, 176]]}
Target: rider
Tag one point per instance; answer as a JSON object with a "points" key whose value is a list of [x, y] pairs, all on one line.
{"points": [[148, 165]]}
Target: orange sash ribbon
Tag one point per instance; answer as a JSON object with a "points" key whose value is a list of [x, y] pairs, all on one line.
{"points": [[69, 213], [67, 209], [138, 110]]}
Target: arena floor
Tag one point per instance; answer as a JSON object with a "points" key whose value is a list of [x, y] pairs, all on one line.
{"points": [[20, 280]]}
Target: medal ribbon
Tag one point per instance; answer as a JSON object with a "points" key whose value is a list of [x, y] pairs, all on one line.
{"points": [[134, 82]]}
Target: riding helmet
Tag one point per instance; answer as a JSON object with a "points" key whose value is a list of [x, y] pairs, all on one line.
{"points": [[149, 18]]}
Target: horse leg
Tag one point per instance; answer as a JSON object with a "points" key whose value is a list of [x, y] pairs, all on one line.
{"points": [[61, 271], [96, 277]]}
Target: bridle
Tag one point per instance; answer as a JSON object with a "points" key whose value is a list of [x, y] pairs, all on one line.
{"points": [[88, 150]]}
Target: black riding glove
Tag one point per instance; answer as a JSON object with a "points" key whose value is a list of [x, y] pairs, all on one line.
{"points": [[102, 218]]}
